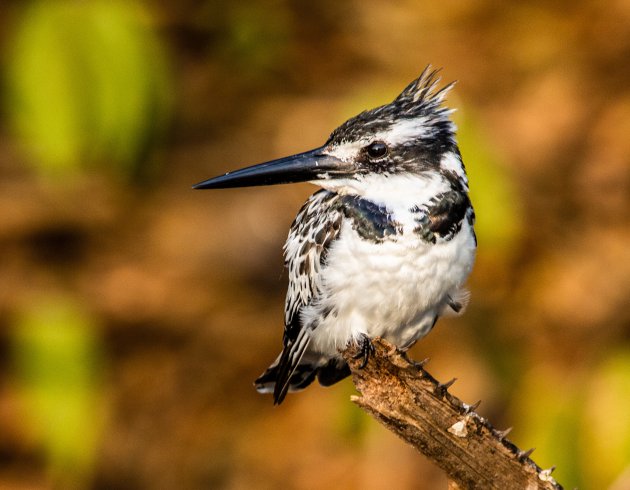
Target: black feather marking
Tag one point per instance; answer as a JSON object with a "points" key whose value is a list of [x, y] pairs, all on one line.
{"points": [[456, 306], [314, 230], [302, 377], [289, 360], [269, 376], [371, 221], [333, 372], [443, 216]]}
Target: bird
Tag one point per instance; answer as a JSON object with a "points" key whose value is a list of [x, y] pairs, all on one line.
{"points": [[383, 249]]}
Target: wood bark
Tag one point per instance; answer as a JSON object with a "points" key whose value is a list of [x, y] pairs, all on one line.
{"points": [[407, 400]]}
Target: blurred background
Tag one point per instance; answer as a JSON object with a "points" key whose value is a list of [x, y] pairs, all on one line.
{"points": [[135, 313]]}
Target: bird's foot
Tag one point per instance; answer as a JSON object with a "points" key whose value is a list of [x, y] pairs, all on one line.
{"points": [[366, 349]]}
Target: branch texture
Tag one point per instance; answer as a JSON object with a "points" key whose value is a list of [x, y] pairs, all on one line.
{"points": [[407, 400]]}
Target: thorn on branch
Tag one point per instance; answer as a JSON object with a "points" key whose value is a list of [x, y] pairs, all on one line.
{"points": [[420, 364], [545, 475], [442, 388], [522, 455], [473, 407], [502, 434]]}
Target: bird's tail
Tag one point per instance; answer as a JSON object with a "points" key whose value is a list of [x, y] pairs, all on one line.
{"points": [[277, 380], [270, 381]]}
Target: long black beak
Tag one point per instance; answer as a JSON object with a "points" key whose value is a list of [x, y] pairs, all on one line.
{"points": [[311, 165]]}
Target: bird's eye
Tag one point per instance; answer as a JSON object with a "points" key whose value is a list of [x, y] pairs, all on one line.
{"points": [[375, 150]]}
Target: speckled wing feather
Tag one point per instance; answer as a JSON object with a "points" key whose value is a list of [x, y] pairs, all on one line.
{"points": [[314, 229], [316, 226]]}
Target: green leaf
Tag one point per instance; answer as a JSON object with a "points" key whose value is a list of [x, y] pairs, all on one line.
{"points": [[87, 84], [57, 362]]}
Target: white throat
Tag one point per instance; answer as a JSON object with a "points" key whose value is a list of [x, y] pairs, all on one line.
{"points": [[391, 191]]}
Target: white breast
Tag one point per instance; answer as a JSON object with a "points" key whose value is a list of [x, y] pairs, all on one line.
{"points": [[392, 289]]}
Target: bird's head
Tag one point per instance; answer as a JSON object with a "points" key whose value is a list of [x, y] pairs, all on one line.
{"points": [[411, 136]]}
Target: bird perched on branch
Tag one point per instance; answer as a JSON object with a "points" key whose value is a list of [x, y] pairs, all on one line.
{"points": [[384, 248]]}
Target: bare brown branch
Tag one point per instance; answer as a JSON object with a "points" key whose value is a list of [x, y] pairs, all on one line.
{"points": [[412, 404]]}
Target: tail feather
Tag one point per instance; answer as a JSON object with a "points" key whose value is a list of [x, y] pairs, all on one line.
{"points": [[303, 376], [287, 372], [327, 373], [332, 372]]}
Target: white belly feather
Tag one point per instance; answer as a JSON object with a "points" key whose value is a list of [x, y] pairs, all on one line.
{"points": [[392, 289]]}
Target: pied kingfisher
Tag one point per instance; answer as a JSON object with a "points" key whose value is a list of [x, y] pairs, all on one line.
{"points": [[384, 248]]}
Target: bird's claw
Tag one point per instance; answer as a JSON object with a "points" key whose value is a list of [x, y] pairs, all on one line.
{"points": [[366, 349]]}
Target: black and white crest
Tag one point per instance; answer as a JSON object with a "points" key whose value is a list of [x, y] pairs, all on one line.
{"points": [[415, 119]]}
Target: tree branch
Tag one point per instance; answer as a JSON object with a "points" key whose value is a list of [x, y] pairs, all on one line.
{"points": [[411, 403]]}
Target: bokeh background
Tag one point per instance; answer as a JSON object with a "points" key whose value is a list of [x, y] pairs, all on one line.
{"points": [[135, 313]]}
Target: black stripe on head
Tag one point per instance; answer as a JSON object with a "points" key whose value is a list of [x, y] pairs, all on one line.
{"points": [[415, 127]]}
